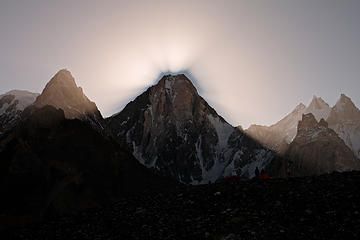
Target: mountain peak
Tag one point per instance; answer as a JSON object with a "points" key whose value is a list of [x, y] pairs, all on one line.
{"points": [[318, 103], [344, 99], [168, 81], [63, 77], [62, 92], [344, 104], [319, 108], [344, 110], [299, 107]]}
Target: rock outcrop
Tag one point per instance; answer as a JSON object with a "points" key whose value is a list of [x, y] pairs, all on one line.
{"points": [[172, 129], [317, 149]]}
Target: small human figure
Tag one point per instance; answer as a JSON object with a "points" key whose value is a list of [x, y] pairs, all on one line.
{"points": [[257, 173]]}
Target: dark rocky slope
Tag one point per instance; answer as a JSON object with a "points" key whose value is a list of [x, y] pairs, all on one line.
{"points": [[53, 166], [322, 207]]}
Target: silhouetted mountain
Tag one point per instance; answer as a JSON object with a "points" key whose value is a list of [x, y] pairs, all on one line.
{"points": [[51, 165], [172, 129], [317, 149], [11, 105]]}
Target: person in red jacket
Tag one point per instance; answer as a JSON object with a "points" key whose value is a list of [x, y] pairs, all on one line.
{"points": [[263, 175]]}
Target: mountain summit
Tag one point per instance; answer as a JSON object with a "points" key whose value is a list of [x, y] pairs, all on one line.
{"points": [[62, 92], [171, 128], [319, 108]]}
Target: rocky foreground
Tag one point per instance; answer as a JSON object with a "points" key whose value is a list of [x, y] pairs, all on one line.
{"points": [[324, 207]]}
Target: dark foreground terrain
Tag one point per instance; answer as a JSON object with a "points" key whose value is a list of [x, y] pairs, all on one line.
{"points": [[324, 207]]}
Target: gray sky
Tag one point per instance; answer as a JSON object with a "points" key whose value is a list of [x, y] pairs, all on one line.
{"points": [[253, 61]]}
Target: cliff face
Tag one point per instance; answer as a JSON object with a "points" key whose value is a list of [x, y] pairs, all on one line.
{"points": [[317, 149], [173, 129]]}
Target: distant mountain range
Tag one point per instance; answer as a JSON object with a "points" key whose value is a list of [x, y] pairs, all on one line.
{"points": [[343, 118], [58, 154]]}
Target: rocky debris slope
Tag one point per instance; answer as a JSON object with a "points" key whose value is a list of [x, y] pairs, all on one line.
{"points": [[52, 166], [317, 149], [172, 129], [11, 106], [322, 207], [62, 92]]}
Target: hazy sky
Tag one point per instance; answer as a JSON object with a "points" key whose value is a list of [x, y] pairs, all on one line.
{"points": [[253, 61]]}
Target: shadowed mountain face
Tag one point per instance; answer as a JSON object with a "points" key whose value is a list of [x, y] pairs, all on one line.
{"points": [[171, 128], [317, 149], [63, 93], [11, 105], [52, 166]]}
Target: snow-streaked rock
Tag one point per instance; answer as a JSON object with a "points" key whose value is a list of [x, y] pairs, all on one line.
{"points": [[172, 129]]}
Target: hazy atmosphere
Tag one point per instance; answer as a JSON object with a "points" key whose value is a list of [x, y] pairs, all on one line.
{"points": [[253, 61]]}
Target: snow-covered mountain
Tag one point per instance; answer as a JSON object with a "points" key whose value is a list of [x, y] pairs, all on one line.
{"points": [[11, 106], [344, 118], [317, 149], [172, 129], [62, 92]]}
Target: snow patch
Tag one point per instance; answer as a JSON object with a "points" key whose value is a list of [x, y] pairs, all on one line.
{"points": [[223, 130]]}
